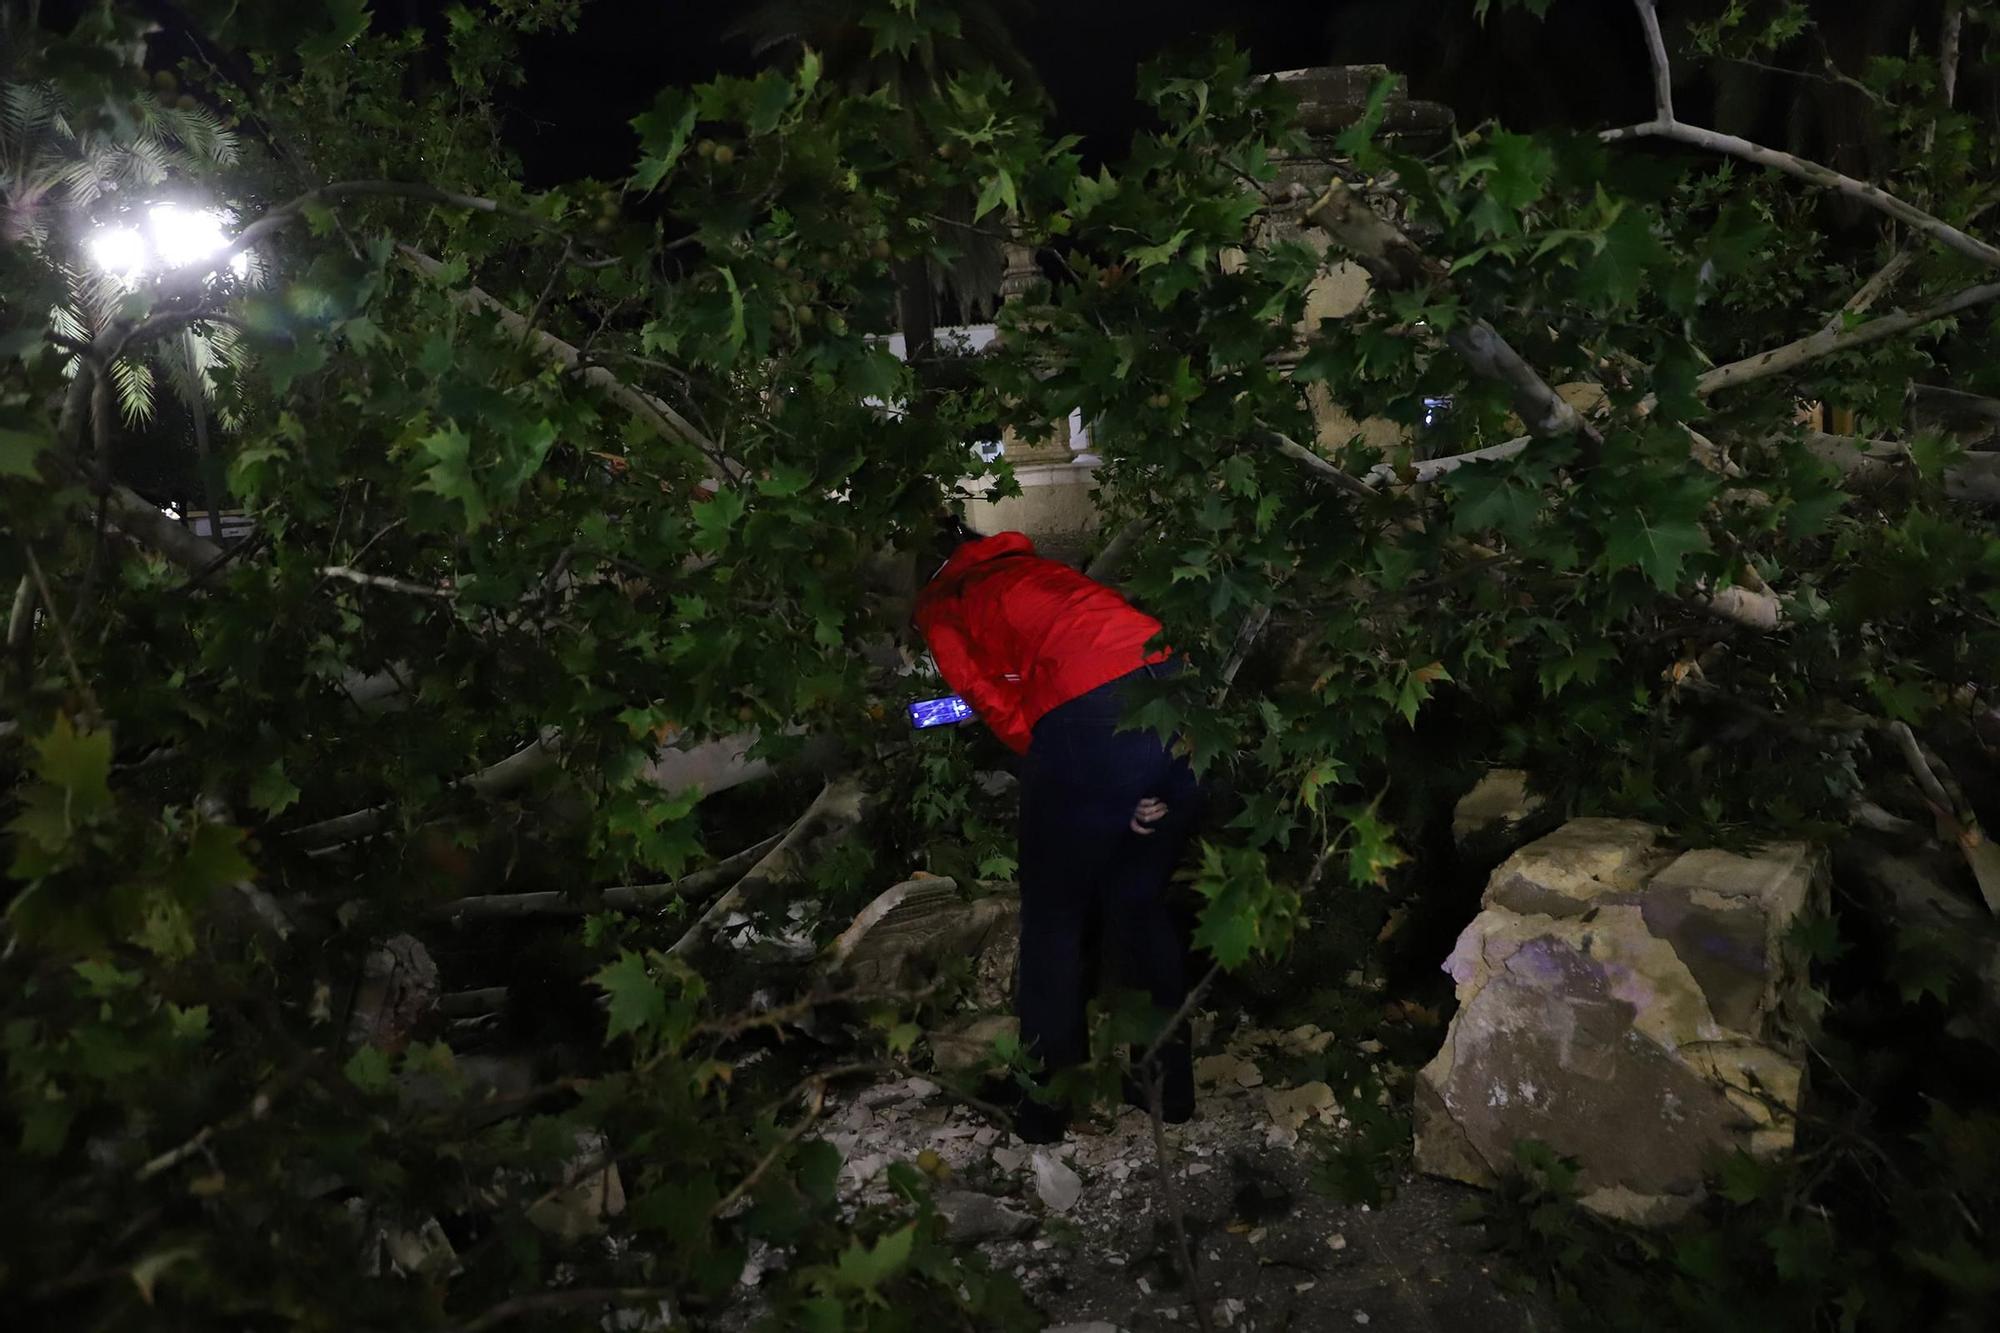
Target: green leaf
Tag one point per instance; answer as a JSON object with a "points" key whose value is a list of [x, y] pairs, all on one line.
{"points": [[713, 518], [770, 94], [18, 451], [663, 135], [451, 475], [368, 1069], [864, 1268], [103, 980], [1357, 141], [636, 1000], [1149, 255], [1743, 1179], [214, 860], [1372, 853], [1521, 170], [271, 791], [736, 332], [78, 765], [1659, 550], [1228, 930], [998, 192], [1618, 273], [1490, 499]]}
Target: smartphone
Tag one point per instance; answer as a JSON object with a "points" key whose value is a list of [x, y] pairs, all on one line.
{"points": [[946, 712]]}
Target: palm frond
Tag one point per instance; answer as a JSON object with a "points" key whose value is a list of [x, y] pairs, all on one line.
{"points": [[132, 383], [65, 322]]}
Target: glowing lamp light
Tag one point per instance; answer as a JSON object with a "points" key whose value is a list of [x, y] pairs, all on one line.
{"points": [[175, 237], [119, 250]]}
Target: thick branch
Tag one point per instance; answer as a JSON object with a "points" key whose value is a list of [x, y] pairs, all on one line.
{"points": [[624, 898], [1395, 263], [1827, 342], [1948, 47], [516, 770], [709, 767], [1656, 53], [1118, 550], [834, 813], [1665, 126], [1826, 177], [1974, 479]]}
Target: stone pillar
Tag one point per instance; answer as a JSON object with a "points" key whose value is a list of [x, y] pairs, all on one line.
{"points": [[1055, 506]]}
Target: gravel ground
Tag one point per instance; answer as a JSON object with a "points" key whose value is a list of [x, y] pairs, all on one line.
{"points": [[1079, 1224]]}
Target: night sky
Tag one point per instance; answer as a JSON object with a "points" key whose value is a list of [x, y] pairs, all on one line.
{"points": [[569, 119]]}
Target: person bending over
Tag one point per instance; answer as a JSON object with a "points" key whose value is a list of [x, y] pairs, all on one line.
{"points": [[1046, 657]]}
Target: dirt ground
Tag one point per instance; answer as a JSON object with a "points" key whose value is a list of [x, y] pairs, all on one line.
{"points": [[1080, 1227]]}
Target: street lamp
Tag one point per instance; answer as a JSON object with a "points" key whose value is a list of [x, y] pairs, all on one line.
{"points": [[169, 237], [173, 238]]}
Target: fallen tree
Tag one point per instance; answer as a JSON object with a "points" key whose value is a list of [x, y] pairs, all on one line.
{"points": [[570, 518]]}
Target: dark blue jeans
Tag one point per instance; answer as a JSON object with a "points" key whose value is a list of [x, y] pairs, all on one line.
{"points": [[1089, 884]]}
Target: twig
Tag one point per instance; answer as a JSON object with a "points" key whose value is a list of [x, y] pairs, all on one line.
{"points": [[662, 418], [368, 545], [384, 581], [536, 757], [1246, 639], [1874, 289], [173, 1157], [1664, 126], [1322, 469], [21, 626], [1154, 1078], [548, 289], [1170, 1199], [1913, 755], [817, 1095], [62, 630], [286, 214]]}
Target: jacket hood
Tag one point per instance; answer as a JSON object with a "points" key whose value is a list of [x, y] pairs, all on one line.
{"points": [[973, 554]]}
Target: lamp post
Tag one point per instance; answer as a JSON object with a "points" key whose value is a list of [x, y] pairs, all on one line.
{"points": [[171, 238]]}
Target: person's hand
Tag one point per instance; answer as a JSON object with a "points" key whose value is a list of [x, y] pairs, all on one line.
{"points": [[1148, 811]]}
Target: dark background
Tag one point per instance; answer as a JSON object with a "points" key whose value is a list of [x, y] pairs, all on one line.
{"points": [[570, 117], [1583, 66]]}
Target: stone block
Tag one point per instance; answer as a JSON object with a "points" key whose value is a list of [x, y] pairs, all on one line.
{"points": [[1498, 804], [1626, 1006], [1580, 865]]}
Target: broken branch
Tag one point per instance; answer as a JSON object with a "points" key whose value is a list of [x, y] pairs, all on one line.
{"points": [[1665, 126], [623, 898]]}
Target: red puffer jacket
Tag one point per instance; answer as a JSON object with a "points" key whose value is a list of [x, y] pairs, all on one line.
{"points": [[1017, 634]]}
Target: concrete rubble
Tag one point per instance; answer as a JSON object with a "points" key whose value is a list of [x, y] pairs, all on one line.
{"points": [[1629, 1005]]}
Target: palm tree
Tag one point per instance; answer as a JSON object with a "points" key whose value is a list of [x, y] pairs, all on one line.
{"points": [[56, 172]]}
